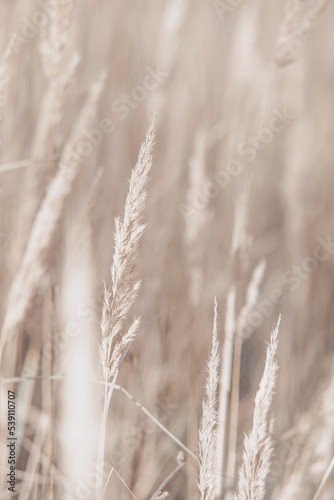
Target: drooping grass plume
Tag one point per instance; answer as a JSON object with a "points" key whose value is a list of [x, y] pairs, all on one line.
{"points": [[207, 431], [35, 261], [257, 444], [119, 298]]}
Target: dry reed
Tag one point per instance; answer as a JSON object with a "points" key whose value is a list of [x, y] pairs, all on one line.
{"points": [[225, 389], [207, 431], [258, 444], [35, 261], [120, 296]]}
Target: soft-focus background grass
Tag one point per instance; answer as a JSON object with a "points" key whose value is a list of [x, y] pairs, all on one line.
{"points": [[220, 85]]}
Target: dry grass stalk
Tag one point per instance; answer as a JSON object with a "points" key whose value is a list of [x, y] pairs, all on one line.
{"points": [[119, 298], [257, 444], [92, 198], [240, 223], [207, 431], [160, 494], [52, 47], [225, 389], [82, 237], [34, 458], [194, 230], [51, 109], [155, 421], [251, 298], [55, 38], [35, 261], [293, 28], [324, 480], [59, 71]]}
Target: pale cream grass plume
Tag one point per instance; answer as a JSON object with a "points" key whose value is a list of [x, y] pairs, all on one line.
{"points": [[119, 298], [225, 389], [290, 19], [59, 70], [241, 322], [173, 19], [51, 107], [258, 444], [58, 73], [35, 261], [54, 39], [311, 17], [293, 28], [316, 445], [207, 430], [43, 147]]}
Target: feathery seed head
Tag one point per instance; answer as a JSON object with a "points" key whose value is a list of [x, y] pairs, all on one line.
{"points": [[119, 298]]}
